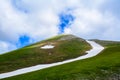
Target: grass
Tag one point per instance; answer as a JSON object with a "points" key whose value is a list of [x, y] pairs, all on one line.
{"points": [[107, 43], [104, 66], [30, 56]]}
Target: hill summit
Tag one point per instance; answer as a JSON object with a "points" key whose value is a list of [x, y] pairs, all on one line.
{"points": [[55, 49]]}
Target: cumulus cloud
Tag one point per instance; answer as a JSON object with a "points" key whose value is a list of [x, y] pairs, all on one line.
{"points": [[95, 24], [40, 19], [5, 47], [37, 24], [15, 23]]}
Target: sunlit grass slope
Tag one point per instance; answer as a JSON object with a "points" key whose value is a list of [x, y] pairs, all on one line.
{"points": [[66, 47], [104, 66]]}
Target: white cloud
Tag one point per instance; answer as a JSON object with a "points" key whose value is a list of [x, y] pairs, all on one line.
{"points": [[67, 31], [5, 47], [93, 23], [14, 23], [41, 19], [39, 24]]}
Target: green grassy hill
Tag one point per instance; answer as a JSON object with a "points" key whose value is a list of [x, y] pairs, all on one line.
{"points": [[106, 43], [66, 47], [105, 66]]}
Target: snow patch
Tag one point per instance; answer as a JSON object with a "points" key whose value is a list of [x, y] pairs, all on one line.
{"points": [[47, 47]]}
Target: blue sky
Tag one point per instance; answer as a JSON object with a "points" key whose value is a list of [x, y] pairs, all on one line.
{"points": [[23, 41], [65, 21], [23, 22]]}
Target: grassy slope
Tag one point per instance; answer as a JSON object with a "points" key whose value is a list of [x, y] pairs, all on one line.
{"points": [[107, 43], [33, 55], [105, 66]]}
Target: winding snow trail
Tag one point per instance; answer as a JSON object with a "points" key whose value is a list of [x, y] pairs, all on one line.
{"points": [[96, 49]]}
